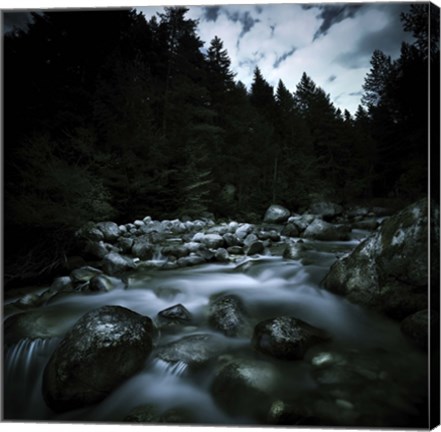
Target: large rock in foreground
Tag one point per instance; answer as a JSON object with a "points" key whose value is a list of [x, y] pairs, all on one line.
{"points": [[389, 270], [105, 347]]}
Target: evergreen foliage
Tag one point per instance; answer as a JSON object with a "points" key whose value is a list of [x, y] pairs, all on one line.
{"points": [[119, 117]]}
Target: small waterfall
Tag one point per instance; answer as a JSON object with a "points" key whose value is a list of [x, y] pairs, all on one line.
{"points": [[23, 368], [177, 369]]}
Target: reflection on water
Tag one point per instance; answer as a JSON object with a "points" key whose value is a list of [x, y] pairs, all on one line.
{"points": [[368, 362]]}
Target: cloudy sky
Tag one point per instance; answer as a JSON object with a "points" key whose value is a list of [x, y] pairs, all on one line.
{"points": [[331, 42]]}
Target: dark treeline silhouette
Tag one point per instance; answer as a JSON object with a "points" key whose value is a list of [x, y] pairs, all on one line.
{"points": [[110, 116]]}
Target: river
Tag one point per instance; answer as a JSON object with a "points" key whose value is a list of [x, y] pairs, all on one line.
{"points": [[368, 374]]}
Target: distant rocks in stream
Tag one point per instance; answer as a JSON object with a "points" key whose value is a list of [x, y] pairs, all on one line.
{"points": [[105, 347]]}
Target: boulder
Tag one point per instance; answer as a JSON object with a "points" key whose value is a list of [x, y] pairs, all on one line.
{"points": [[84, 274], [243, 230], [142, 248], [290, 230], [243, 387], [231, 240], [114, 263], [177, 314], [227, 315], [388, 271], [151, 413], [125, 244], [416, 326], [103, 283], [190, 260], [110, 230], [96, 249], [194, 350], [256, 247], [105, 347], [321, 230], [221, 255], [301, 221], [326, 210], [35, 324], [286, 337], [212, 241], [276, 214]]}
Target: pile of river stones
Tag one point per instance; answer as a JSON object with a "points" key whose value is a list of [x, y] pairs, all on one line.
{"points": [[387, 271]]}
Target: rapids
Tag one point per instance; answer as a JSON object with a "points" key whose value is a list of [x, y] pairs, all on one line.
{"points": [[269, 286]]}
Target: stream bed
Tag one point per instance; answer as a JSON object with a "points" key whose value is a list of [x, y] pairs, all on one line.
{"points": [[367, 374]]}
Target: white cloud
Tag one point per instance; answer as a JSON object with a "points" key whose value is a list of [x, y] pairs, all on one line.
{"points": [[283, 34]]}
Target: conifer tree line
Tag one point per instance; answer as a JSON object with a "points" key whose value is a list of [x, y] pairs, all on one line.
{"points": [[109, 116]]}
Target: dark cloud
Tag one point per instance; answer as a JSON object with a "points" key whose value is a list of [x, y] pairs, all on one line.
{"points": [[283, 57], [210, 13], [333, 14], [359, 93], [18, 20], [388, 39], [245, 19], [331, 78]]}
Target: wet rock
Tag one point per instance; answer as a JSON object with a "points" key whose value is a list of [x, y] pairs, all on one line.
{"points": [[125, 244], [180, 251], [243, 230], [35, 324], [222, 255], [271, 235], [321, 230], [243, 387], [301, 221], [249, 239], [213, 241], [96, 249], [84, 274], [276, 214], [62, 283], [290, 230], [142, 248], [191, 260], [177, 314], [236, 250], [388, 271], [326, 210], [114, 263], [104, 348], [232, 240], [194, 350], [416, 326], [103, 283], [256, 247], [110, 230], [286, 337], [227, 315], [283, 413], [151, 413]]}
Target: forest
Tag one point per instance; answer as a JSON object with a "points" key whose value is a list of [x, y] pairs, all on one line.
{"points": [[122, 117]]}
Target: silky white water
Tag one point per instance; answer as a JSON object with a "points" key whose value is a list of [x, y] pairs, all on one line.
{"points": [[269, 287]]}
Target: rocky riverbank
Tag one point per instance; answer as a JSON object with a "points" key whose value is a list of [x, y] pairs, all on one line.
{"points": [[387, 272]]}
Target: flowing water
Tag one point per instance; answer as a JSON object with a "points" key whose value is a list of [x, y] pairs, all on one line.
{"points": [[378, 377]]}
